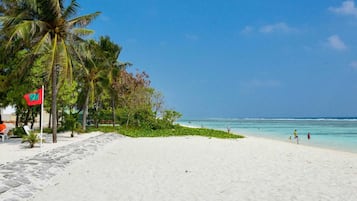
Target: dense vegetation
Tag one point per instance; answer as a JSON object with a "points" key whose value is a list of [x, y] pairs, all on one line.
{"points": [[45, 43], [175, 131]]}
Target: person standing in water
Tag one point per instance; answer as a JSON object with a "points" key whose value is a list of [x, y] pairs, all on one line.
{"points": [[296, 136], [308, 136]]}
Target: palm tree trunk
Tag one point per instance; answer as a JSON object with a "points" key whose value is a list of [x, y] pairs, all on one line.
{"points": [[17, 120], [53, 106], [27, 116], [113, 111], [85, 111], [49, 119], [33, 116]]}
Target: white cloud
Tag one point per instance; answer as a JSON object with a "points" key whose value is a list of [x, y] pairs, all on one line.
{"points": [[278, 27], [347, 8], [336, 43]]}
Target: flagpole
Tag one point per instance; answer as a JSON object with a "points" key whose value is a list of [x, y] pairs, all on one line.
{"points": [[43, 101]]}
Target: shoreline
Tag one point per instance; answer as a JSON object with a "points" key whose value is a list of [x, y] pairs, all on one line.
{"points": [[326, 149], [293, 141]]}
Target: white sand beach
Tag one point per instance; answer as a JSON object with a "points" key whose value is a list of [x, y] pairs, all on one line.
{"points": [[198, 168]]}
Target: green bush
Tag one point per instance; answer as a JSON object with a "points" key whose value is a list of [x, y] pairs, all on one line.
{"points": [[70, 123], [176, 130], [48, 130], [18, 132], [104, 129], [32, 139]]}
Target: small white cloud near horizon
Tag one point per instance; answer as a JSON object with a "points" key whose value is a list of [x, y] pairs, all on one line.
{"points": [[336, 43], [278, 27], [347, 8]]}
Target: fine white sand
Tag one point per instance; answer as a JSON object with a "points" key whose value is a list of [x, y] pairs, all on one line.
{"points": [[198, 168]]}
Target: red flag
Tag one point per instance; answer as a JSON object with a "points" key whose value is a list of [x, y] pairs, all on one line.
{"points": [[34, 98]]}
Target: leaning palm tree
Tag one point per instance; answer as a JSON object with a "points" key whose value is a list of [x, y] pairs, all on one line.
{"points": [[50, 32]]}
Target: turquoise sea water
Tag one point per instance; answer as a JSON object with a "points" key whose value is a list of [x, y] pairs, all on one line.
{"points": [[332, 133]]}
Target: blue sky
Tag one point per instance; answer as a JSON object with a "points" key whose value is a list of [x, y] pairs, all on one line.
{"points": [[235, 58]]}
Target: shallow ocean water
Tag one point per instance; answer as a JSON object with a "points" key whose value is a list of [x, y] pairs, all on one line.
{"points": [[332, 133]]}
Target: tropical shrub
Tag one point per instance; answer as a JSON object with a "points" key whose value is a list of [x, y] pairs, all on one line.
{"points": [[18, 132], [32, 139], [71, 123]]}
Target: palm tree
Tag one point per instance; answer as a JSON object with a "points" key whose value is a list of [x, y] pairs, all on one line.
{"points": [[114, 66], [49, 31], [93, 73]]}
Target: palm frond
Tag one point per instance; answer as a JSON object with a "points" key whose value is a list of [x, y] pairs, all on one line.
{"points": [[15, 14], [22, 31], [82, 21], [32, 4], [71, 10], [26, 31], [82, 31], [7, 21], [77, 51], [23, 69], [56, 7], [43, 45], [68, 61]]}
